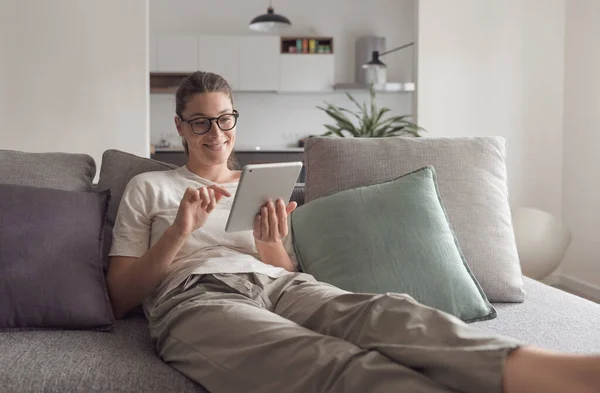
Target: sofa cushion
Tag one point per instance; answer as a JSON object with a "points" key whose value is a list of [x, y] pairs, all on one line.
{"points": [[50, 259], [123, 360], [471, 174], [389, 237], [117, 169], [298, 194], [63, 171], [550, 319]]}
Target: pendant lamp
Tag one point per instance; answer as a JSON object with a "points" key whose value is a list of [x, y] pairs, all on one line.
{"points": [[269, 21]]}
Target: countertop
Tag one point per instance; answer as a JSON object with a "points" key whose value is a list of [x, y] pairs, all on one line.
{"points": [[179, 149]]}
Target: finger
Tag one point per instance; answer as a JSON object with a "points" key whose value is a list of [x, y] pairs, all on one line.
{"points": [[282, 218], [205, 199], [220, 190], [188, 194], [264, 222], [212, 201], [257, 227], [273, 225], [193, 196], [218, 197], [291, 207]]}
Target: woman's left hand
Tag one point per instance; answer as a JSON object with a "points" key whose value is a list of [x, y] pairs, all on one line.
{"points": [[270, 225]]}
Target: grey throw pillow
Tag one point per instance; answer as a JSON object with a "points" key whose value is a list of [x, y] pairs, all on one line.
{"points": [[51, 274], [117, 169], [63, 171], [471, 174]]}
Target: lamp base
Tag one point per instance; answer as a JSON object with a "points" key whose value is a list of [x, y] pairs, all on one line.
{"points": [[376, 76]]}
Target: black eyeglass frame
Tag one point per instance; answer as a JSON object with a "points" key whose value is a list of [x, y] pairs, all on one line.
{"points": [[235, 115]]}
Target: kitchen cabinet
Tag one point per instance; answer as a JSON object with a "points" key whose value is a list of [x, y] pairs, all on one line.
{"points": [[306, 72], [176, 53], [220, 54], [259, 63], [248, 63]]}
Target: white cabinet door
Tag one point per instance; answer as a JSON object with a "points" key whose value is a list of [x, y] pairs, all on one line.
{"points": [[153, 55], [220, 54], [310, 72], [177, 53], [259, 63]]}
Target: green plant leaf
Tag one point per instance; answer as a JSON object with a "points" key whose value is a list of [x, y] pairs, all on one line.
{"points": [[381, 131], [387, 125], [333, 130], [354, 100], [380, 114], [343, 122], [402, 130], [366, 127], [372, 97], [350, 112], [370, 120], [402, 118]]}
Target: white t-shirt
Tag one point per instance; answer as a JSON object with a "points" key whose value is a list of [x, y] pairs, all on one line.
{"points": [[149, 206]]}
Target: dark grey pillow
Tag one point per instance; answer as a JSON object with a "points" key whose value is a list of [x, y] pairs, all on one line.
{"points": [[117, 169], [63, 171], [51, 274]]}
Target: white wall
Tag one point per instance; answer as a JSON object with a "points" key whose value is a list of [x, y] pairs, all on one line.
{"points": [[74, 76], [279, 120], [495, 67], [582, 140]]}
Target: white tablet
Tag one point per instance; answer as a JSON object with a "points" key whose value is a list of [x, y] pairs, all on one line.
{"points": [[258, 184]]}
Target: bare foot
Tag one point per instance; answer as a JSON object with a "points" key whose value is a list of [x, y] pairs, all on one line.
{"points": [[530, 370]]}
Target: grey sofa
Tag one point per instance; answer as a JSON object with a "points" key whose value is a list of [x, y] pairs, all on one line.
{"points": [[124, 359]]}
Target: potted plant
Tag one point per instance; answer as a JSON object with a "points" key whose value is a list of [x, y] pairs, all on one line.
{"points": [[370, 122]]}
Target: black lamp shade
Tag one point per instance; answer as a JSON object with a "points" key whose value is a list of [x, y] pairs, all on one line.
{"points": [[266, 22], [374, 62]]}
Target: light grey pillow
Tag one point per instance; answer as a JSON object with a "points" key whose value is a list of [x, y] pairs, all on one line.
{"points": [[471, 174], [62, 171]]}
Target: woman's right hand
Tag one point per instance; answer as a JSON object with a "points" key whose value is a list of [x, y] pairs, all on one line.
{"points": [[195, 206]]}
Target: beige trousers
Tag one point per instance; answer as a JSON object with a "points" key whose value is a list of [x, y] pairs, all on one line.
{"points": [[249, 333]]}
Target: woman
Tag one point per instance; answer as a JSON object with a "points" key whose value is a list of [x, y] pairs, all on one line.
{"points": [[230, 310]]}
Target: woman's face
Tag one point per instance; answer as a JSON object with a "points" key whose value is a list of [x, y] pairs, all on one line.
{"points": [[215, 146]]}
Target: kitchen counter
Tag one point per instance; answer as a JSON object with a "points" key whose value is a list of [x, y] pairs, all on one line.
{"points": [[269, 149], [244, 156], [179, 149]]}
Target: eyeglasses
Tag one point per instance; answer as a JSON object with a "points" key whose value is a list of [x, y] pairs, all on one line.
{"points": [[201, 125]]}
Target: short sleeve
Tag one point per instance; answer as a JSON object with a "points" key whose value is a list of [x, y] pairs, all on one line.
{"points": [[131, 233]]}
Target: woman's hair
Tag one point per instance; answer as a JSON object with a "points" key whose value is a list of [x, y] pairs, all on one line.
{"points": [[197, 83]]}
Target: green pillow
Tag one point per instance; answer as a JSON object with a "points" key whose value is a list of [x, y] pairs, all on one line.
{"points": [[389, 237]]}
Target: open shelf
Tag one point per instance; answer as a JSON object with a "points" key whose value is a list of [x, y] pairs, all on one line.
{"points": [[303, 45], [163, 82], [390, 87]]}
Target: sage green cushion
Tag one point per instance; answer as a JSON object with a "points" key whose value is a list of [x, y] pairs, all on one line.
{"points": [[389, 237]]}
